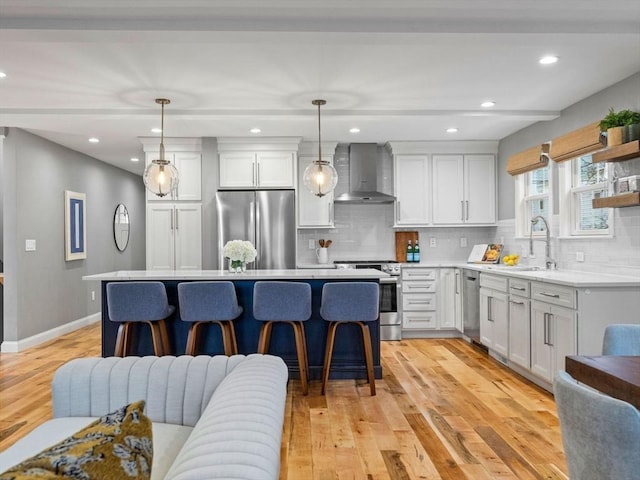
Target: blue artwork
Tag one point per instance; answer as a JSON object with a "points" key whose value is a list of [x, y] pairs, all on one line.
{"points": [[76, 216], [75, 228]]}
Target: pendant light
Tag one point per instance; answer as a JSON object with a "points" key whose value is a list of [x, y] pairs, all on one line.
{"points": [[320, 177], [160, 176]]}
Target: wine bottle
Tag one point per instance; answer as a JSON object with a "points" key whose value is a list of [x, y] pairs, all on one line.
{"points": [[409, 252], [416, 252]]}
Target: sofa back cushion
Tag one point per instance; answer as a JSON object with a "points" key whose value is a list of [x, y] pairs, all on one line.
{"points": [[176, 389], [239, 434]]}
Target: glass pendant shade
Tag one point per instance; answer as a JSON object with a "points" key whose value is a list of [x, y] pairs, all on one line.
{"points": [[320, 178], [161, 177]]}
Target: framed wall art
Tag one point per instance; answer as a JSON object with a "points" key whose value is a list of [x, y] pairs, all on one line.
{"points": [[75, 226]]}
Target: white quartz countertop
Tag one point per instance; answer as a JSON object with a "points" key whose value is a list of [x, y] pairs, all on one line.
{"points": [[573, 278], [307, 273]]}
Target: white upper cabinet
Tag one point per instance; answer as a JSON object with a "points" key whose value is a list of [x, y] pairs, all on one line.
{"points": [[185, 154], [189, 167], [464, 189], [314, 211], [258, 163], [444, 183], [411, 189]]}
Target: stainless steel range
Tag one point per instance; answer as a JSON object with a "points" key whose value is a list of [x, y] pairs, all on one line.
{"points": [[390, 319]]}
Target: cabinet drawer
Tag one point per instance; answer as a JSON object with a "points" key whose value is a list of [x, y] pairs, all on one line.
{"points": [[419, 274], [418, 301], [494, 282], [555, 294], [419, 320], [418, 287], [519, 287]]}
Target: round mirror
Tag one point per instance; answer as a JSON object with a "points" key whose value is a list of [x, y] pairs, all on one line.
{"points": [[121, 227]]}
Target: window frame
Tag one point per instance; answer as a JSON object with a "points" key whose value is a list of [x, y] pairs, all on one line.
{"points": [[570, 211], [523, 214]]}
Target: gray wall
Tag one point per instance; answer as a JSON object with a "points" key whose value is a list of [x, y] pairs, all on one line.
{"points": [[42, 291], [625, 94]]}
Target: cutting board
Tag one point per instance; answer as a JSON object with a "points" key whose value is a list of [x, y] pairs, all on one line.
{"points": [[401, 244], [485, 253]]}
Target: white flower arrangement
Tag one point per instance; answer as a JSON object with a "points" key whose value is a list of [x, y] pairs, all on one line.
{"points": [[241, 250]]}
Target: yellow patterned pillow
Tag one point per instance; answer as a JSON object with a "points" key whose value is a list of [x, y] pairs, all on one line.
{"points": [[116, 446]]}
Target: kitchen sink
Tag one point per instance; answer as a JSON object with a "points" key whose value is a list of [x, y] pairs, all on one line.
{"points": [[514, 268]]}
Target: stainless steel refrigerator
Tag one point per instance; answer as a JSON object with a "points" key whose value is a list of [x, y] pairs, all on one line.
{"points": [[264, 217]]}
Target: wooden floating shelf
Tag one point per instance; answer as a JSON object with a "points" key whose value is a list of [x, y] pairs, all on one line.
{"points": [[624, 200], [619, 153]]}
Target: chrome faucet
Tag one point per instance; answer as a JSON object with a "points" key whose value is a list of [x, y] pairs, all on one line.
{"points": [[550, 262]]}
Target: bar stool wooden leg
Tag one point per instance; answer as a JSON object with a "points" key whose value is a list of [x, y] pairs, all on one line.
{"points": [[368, 356], [265, 337], [156, 336], [304, 343], [331, 335], [226, 337], [166, 347], [232, 336], [298, 331], [193, 339], [121, 340]]}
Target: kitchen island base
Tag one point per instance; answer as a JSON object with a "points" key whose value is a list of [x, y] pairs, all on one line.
{"points": [[348, 357]]}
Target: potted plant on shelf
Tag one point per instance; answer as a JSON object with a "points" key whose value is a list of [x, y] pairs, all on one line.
{"points": [[614, 124]]}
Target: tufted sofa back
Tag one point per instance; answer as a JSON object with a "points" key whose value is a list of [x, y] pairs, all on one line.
{"points": [[176, 389]]}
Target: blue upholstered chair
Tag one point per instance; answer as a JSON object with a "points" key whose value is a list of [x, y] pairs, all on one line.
{"points": [[209, 302], [349, 302], [131, 303], [600, 434], [286, 302], [621, 339]]}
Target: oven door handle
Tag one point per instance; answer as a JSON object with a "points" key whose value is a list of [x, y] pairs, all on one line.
{"points": [[388, 280]]}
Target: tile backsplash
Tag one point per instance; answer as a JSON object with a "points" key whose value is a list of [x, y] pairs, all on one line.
{"points": [[365, 232]]}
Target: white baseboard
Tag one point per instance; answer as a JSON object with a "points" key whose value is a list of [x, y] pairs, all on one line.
{"points": [[37, 339]]}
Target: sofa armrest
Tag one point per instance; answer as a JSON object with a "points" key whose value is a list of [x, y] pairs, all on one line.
{"points": [[176, 389], [240, 432]]}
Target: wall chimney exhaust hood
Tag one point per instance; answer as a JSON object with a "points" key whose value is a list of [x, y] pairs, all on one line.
{"points": [[363, 176]]}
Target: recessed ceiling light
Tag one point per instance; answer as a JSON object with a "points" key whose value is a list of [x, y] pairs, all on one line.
{"points": [[156, 130], [548, 59], [354, 130], [488, 104], [94, 140], [452, 130], [255, 130], [135, 159], [3, 75]]}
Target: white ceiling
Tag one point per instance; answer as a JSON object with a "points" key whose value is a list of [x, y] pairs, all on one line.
{"points": [[398, 69]]}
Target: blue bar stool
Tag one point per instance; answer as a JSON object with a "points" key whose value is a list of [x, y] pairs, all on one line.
{"points": [[287, 302], [349, 302], [209, 302], [131, 303]]}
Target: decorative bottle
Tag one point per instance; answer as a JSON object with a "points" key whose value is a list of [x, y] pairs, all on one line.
{"points": [[409, 252], [416, 252]]}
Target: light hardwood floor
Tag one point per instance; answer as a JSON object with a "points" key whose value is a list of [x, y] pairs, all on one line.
{"points": [[444, 410]]}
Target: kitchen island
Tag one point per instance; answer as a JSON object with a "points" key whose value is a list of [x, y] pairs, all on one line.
{"points": [[348, 356]]}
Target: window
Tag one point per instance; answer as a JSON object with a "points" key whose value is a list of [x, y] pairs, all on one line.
{"points": [[581, 182], [533, 197]]}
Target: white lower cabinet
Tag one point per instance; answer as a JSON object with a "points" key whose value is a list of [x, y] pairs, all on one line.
{"points": [[429, 300], [174, 236], [519, 323], [494, 313], [553, 337]]}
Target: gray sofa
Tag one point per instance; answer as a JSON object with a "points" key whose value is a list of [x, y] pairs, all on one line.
{"points": [[213, 417]]}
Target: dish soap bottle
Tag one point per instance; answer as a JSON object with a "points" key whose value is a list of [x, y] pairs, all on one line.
{"points": [[416, 252], [409, 252]]}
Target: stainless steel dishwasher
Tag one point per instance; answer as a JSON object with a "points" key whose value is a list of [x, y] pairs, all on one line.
{"points": [[471, 304]]}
